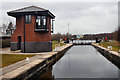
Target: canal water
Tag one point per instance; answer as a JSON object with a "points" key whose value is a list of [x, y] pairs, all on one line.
{"points": [[83, 62]]}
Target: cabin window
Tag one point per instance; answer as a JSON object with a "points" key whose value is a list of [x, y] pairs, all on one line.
{"points": [[41, 22], [28, 18]]}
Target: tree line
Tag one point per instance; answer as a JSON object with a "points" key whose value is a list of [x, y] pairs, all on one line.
{"points": [[59, 36], [7, 29], [110, 36]]}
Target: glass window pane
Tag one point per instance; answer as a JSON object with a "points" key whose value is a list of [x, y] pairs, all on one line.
{"points": [[38, 17], [36, 20], [29, 18], [44, 21], [39, 22], [26, 18], [43, 17]]}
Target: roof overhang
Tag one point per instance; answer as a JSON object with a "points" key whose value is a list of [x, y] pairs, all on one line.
{"points": [[47, 12]]}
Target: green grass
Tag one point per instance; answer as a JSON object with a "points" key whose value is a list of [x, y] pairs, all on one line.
{"points": [[115, 45], [56, 43], [53, 44], [8, 59]]}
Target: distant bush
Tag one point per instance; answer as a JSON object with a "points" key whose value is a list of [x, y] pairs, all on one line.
{"points": [[5, 43], [58, 36]]}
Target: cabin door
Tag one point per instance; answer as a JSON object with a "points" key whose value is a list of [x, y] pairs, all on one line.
{"points": [[19, 42]]}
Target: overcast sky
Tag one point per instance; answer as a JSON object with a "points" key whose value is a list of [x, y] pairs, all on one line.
{"points": [[83, 17]]}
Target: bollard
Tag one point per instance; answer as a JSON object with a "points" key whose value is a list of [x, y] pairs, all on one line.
{"points": [[110, 48], [27, 59], [119, 51]]}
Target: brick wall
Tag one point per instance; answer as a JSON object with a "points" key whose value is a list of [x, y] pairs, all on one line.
{"points": [[30, 35]]}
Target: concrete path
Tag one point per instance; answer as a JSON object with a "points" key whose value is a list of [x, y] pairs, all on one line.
{"points": [[4, 50]]}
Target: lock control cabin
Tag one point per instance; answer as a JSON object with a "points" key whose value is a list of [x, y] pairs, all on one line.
{"points": [[33, 29]]}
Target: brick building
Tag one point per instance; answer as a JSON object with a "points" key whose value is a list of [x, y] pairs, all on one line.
{"points": [[33, 29]]}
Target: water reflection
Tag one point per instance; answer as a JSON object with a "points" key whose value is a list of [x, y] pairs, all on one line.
{"points": [[82, 62]]}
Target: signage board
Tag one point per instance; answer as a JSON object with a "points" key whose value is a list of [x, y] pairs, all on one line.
{"points": [[79, 36]]}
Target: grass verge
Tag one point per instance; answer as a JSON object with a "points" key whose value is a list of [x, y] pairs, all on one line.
{"points": [[115, 45], [56, 43], [8, 59]]}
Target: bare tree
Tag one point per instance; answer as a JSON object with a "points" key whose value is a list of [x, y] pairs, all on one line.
{"points": [[59, 36], [10, 28], [3, 28]]}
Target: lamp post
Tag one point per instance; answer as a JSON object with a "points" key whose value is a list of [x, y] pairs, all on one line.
{"points": [[68, 29]]}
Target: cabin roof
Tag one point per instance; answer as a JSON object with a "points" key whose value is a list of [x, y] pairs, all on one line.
{"points": [[29, 10]]}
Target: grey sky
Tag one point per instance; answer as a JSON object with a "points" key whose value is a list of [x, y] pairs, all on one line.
{"points": [[84, 17]]}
